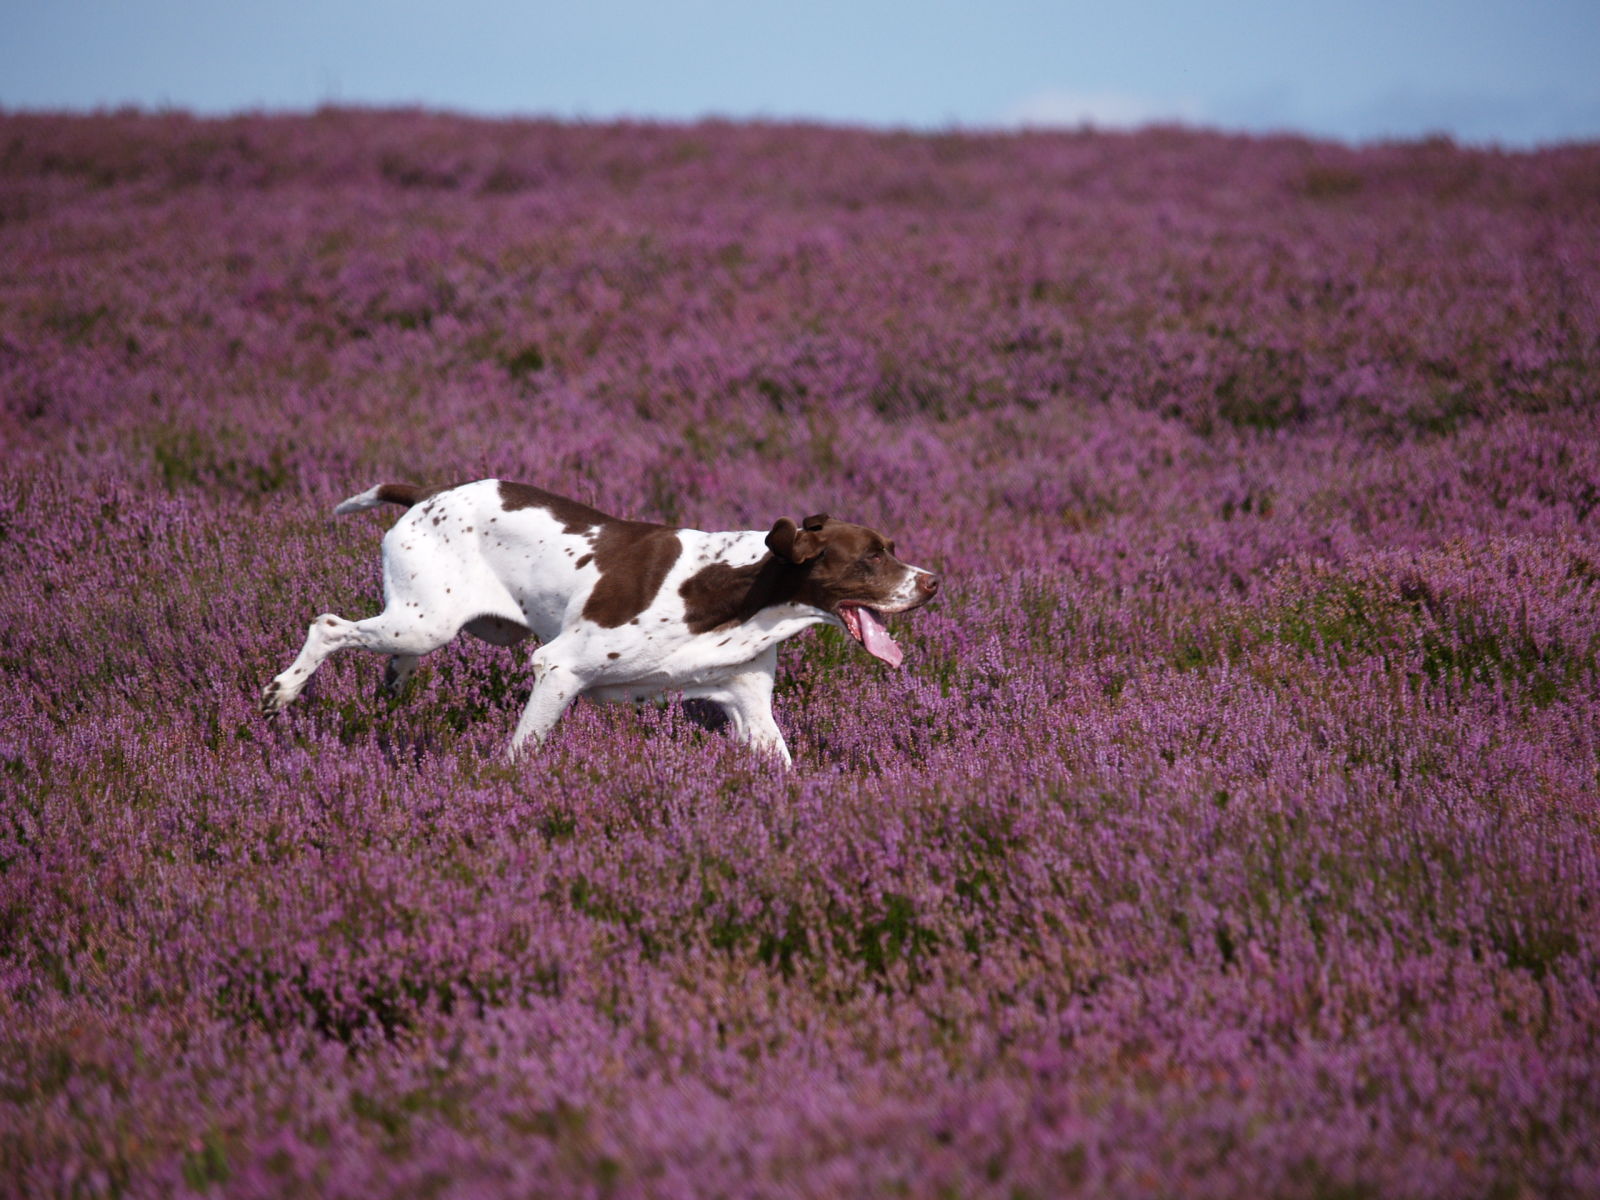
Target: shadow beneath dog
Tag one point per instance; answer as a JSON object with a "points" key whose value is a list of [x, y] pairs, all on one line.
{"points": [[707, 714]]}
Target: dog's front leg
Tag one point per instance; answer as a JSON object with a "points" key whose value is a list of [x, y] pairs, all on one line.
{"points": [[557, 680], [748, 703]]}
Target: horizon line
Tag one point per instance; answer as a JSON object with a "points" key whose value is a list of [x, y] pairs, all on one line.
{"points": [[951, 127]]}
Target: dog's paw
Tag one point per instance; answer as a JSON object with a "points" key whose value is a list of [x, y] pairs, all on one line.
{"points": [[274, 698]]}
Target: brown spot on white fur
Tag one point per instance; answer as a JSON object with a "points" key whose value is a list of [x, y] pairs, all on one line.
{"points": [[574, 517], [406, 494], [633, 559]]}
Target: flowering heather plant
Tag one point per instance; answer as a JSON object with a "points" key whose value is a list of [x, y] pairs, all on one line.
{"points": [[1230, 830]]}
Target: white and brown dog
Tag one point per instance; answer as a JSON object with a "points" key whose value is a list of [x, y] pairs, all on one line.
{"points": [[624, 610]]}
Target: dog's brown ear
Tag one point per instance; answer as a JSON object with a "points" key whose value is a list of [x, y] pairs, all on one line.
{"points": [[794, 543]]}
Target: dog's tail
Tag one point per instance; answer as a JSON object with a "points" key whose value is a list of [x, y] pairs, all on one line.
{"points": [[403, 494]]}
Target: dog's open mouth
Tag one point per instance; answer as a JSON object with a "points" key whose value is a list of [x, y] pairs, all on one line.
{"points": [[866, 626]]}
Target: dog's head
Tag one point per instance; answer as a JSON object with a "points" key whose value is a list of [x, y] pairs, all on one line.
{"points": [[852, 574]]}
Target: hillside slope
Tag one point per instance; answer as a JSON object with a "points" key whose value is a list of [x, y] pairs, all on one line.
{"points": [[1231, 828]]}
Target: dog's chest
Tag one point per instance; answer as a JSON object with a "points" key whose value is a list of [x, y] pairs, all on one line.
{"points": [[689, 664]]}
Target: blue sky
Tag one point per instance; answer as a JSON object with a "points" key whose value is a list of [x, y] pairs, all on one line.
{"points": [[1515, 74]]}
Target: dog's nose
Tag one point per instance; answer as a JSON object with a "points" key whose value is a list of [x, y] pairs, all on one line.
{"points": [[928, 582]]}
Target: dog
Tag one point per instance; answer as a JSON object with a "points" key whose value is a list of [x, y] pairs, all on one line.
{"points": [[623, 610]]}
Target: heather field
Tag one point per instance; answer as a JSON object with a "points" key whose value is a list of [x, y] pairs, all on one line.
{"points": [[1232, 828]]}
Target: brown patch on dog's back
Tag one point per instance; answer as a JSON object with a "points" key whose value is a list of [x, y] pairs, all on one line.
{"points": [[574, 517], [633, 558]]}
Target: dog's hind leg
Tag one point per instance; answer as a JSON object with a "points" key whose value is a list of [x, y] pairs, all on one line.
{"points": [[390, 632], [397, 672]]}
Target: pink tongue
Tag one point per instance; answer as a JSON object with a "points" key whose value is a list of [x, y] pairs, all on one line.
{"points": [[876, 638]]}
